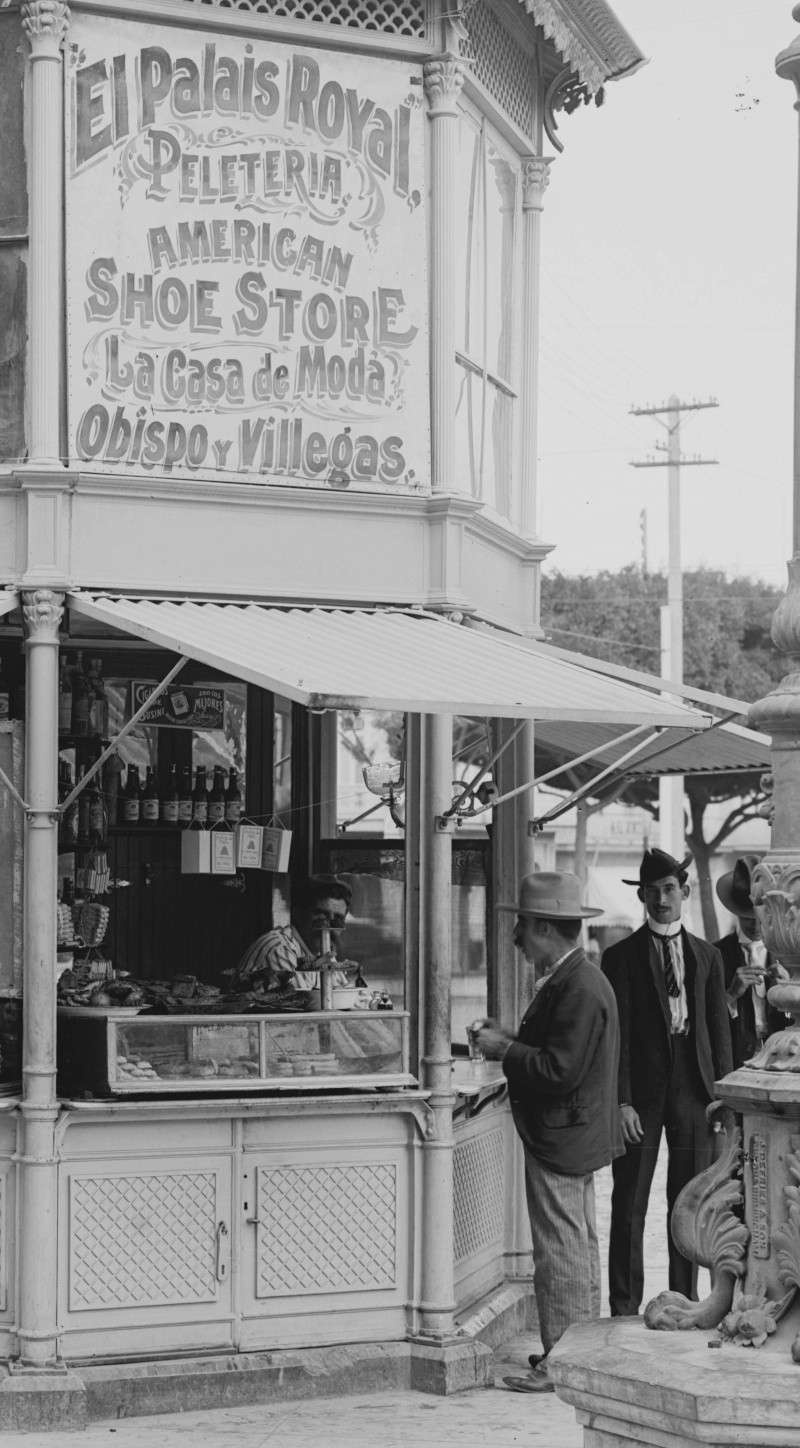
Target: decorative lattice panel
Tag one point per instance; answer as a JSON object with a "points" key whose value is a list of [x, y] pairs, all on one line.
{"points": [[142, 1240], [392, 17], [503, 67], [479, 1194], [326, 1229]]}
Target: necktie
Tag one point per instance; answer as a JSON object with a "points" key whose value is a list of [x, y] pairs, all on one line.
{"points": [[670, 972]]}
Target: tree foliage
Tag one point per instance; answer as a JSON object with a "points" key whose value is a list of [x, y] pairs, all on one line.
{"points": [[727, 650]]}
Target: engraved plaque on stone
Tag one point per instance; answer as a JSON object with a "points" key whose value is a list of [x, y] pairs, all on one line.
{"points": [[760, 1197]]}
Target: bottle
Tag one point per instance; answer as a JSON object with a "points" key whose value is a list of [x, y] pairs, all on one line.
{"points": [[168, 812], [97, 813], [216, 798], [98, 701], [185, 798], [79, 721], [200, 800], [83, 809], [233, 800], [131, 799], [149, 799], [65, 695], [112, 772], [69, 819]]}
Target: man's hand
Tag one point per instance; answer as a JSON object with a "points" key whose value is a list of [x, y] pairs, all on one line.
{"points": [[743, 978], [493, 1040], [632, 1129]]}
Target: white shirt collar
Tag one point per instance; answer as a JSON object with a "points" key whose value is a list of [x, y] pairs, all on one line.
{"points": [[674, 927]]}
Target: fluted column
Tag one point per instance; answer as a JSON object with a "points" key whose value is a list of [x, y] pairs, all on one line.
{"points": [[535, 177], [42, 611], [45, 23], [437, 1295], [444, 78]]}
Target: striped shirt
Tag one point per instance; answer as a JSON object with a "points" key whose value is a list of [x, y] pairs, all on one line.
{"points": [[276, 960]]}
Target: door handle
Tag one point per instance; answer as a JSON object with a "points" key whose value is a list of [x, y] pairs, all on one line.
{"points": [[221, 1267]]}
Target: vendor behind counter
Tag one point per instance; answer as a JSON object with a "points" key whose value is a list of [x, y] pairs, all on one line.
{"points": [[290, 957]]}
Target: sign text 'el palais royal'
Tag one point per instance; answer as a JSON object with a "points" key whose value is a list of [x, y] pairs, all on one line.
{"points": [[245, 260]]}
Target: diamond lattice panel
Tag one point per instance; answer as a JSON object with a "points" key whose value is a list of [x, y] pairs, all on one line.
{"points": [[327, 1229], [502, 66], [479, 1194], [137, 1240], [403, 17]]}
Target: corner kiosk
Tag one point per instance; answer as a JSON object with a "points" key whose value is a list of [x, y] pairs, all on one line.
{"points": [[282, 467]]}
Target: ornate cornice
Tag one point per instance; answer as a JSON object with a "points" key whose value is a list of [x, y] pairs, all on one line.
{"points": [[45, 23], [443, 79], [42, 612], [588, 37]]}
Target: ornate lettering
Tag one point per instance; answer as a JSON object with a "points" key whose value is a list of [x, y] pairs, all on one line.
{"points": [[759, 1199]]}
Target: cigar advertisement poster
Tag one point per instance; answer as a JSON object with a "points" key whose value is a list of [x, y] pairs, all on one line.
{"points": [[245, 260]]}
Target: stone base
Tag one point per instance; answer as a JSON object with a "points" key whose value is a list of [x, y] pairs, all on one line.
{"points": [[49, 1402], [82, 1393], [633, 1388]]}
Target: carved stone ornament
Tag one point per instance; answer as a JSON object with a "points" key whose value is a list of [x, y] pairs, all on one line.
{"points": [[535, 180], [42, 612], [707, 1229], [775, 891], [45, 20], [443, 79]]}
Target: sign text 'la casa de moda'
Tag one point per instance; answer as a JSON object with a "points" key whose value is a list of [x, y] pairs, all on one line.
{"points": [[249, 302]]}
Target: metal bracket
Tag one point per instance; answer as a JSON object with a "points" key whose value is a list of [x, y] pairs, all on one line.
{"points": [[446, 824]]}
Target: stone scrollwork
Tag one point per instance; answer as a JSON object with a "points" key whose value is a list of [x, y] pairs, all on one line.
{"points": [[42, 612], [535, 180], [707, 1229], [45, 20], [787, 1237], [775, 888]]}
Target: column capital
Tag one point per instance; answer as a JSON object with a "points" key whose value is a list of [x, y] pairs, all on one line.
{"points": [[535, 180], [45, 23], [443, 79], [42, 612]]}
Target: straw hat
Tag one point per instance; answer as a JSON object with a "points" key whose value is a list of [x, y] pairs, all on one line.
{"points": [[552, 894]]}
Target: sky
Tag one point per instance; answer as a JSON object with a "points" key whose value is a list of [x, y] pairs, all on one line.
{"points": [[668, 267]]}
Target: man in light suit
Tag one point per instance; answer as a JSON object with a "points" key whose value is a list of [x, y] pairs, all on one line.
{"points": [[561, 1069], [675, 1042], [749, 970]]}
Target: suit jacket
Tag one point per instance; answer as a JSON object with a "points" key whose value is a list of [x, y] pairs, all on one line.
{"points": [[744, 1037], [635, 970], [562, 1071]]}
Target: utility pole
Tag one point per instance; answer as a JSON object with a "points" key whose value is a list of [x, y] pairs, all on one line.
{"points": [[671, 826]]}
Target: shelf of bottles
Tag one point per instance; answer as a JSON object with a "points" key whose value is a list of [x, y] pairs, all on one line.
{"points": [[186, 801]]}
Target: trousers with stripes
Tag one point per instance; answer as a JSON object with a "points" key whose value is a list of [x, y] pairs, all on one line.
{"points": [[566, 1256]]}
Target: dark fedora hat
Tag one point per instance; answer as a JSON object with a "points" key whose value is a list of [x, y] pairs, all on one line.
{"points": [[553, 895], [657, 865], [733, 889]]}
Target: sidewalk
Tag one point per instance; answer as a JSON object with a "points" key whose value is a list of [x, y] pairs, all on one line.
{"points": [[493, 1417]]}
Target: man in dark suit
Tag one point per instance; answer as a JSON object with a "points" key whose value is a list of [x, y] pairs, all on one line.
{"points": [[674, 1044], [561, 1069], [749, 969]]}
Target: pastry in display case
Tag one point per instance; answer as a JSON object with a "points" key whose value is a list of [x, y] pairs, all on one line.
{"points": [[121, 1052]]}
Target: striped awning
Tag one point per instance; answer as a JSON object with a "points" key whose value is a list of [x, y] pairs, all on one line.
{"points": [[403, 660]]}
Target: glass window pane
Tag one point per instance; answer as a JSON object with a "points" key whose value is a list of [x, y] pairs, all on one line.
{"points": [[375, 929], [468, 401], [502, 187], [226, 746], [467, 235], [469, 982], [282, 756], [369, 771]]}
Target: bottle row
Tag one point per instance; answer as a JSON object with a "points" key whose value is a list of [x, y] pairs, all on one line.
{"points": [[181, 802]]}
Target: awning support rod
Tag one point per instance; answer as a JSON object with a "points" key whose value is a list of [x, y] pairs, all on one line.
{"points": [[469, 791], [590, 784], [125, 730], [570, 764]]}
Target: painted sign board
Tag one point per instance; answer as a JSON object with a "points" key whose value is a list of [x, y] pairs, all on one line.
{"points": [[187, 707], [245, 260]]}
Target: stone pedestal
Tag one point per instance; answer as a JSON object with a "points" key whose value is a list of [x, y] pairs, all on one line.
{"points": [[632, 1388]]}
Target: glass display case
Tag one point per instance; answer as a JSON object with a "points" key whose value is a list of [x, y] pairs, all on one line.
{"points": [[115, 1052]]}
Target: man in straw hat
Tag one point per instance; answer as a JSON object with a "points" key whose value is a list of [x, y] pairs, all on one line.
{"points": [[675, 1042], [562, 1072], [749, 970]]}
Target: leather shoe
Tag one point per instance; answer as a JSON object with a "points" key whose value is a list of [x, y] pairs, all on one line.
{"points": [[536, 1382]]}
